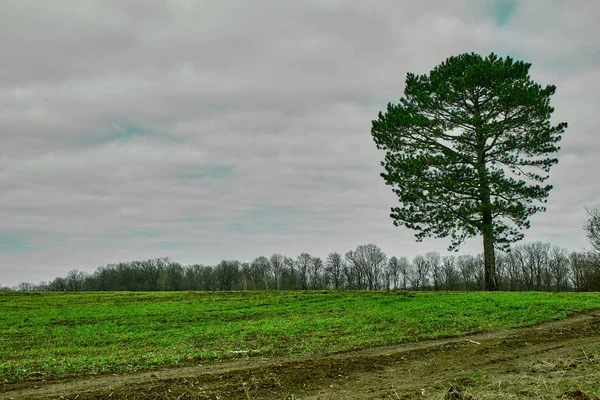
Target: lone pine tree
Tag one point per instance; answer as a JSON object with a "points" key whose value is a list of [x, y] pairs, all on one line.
{"points": [[467, 152]]}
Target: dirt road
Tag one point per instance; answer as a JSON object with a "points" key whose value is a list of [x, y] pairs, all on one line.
{"points": [[559, 359]]}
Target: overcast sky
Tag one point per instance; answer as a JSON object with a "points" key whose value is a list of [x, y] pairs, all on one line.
{"points": [[229, 129]]}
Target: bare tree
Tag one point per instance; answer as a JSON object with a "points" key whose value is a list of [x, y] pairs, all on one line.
{"points": [[350, 278], [559, 268], [392, 274], [585, 271], [290, 271], [526, 267], [449, 274], [404, 268], [277, 266], [227, 274], [59, 284], [354, 271], [434, 260], [466, 264], [315, 273], [26, 287], [479, 272], [512, 271], [334, 265], [537, 254], [260, 269], [303, 264], [592, 227], [577, 263], [420, 272], [75, 280], [367, 262], [247, 273]]}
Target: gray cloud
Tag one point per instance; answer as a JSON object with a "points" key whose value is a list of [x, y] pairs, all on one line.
{"points": [[210, 130]]}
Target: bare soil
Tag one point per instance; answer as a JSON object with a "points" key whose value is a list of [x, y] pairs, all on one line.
{"points": [[558, 359]]}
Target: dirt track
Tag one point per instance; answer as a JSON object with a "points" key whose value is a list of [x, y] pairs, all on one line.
{"points": [[559, 359]]}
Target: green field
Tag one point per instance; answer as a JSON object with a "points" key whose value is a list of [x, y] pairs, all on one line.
{"points": [[59, 335]]}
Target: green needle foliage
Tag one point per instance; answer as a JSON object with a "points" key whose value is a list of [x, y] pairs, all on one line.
{"points": [[467, 152]]}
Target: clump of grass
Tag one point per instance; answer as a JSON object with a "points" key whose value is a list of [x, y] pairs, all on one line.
{"points": [[56, 335], [569, 379]]}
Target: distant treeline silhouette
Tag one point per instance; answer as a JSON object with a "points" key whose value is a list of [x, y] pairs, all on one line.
{"points": [[533, 266]]}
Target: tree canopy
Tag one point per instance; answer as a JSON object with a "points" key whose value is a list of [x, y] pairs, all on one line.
{"points": [[467, 151]]}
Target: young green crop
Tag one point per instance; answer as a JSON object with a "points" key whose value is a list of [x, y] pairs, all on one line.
{"points": [[56, 335]]}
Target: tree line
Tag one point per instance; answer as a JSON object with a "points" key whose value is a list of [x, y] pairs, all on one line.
{"points": [[535, 266]]}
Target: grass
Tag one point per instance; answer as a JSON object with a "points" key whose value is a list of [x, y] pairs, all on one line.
{"points": [[57, 335], [574, 379]]}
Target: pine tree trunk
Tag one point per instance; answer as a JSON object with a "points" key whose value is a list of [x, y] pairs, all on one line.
{"points": [[487, 226], [489, 258]]}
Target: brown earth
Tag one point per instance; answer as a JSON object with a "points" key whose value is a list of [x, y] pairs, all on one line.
{"points": [[554, 360]]}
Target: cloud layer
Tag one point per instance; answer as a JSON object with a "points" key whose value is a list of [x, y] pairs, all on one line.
{"points": [[231, 129]]}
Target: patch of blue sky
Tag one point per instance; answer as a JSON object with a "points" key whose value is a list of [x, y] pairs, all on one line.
{"points": [[21, 242], [125, 131], [190, 218], [503, 10], [122, 131], [15, 243]]}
